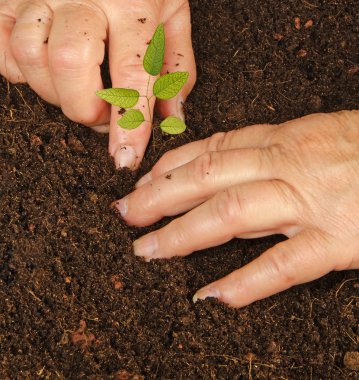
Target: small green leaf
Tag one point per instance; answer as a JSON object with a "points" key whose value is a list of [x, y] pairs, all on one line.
{"points": [[153, 59], [173, 125], [131, 119], [167, 86], [120, 97]]}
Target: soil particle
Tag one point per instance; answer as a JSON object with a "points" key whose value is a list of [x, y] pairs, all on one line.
{"points": [[75, 144], [351, 360], [302, 53], [116, 282], [81, 337], [308, 24]]}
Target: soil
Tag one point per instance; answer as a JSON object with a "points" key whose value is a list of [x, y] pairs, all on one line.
{"points": [[74, 301]]}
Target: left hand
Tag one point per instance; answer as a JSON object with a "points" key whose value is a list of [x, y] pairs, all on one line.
{"points": [[58, 46], [299, 178]]}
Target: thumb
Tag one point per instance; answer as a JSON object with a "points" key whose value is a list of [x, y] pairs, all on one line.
{"points": [[128, 41], [179, 56]]}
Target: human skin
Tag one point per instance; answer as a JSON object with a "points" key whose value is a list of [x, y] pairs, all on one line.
{"points": [[57, 47], [299, 178]]}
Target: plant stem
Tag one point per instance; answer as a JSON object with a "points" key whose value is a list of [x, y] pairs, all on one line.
{"points": [[149, 111], [148, 99]]}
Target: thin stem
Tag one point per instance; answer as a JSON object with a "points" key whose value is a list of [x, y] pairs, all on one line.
{"points": [[148, 99], [149, 110]]}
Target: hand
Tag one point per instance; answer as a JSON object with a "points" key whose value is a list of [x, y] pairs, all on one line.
{"points": [[298, 178], [57, 47]]}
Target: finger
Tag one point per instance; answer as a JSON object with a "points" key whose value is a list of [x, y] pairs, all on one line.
{"points": [[178, 56], [254, 136], [303, 258], [29, 46], [193, 183], [243, 209], [8, 66], [128, 43], [76, 51]]}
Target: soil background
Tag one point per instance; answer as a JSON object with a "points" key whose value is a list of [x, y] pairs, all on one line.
{"points": [[76, 304]]}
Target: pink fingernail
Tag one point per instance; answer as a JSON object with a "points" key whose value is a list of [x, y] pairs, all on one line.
{"points": [[122, 206], [146, 246], [209, 291], [125, 157], [180, 112], [146, 178]]}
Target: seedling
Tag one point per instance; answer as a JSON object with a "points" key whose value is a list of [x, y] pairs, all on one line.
{"points": [[165, 87]]}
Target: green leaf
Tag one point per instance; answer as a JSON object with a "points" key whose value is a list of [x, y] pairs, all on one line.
{"points": [[120, 97], [167, 86], [173, 125], [131, 119], [153, 60]]}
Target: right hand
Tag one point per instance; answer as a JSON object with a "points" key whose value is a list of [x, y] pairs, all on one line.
{"points": [[297, 178], [57, 47]]}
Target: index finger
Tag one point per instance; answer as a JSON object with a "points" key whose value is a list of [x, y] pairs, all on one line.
{"points": [[189, 185], [131, 30], [254, 136]]}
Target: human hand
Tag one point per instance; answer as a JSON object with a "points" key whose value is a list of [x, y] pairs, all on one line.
{"points": [[57, 47], [299, 178]]}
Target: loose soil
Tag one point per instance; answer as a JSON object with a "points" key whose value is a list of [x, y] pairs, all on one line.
{"points": [[74, 301]]}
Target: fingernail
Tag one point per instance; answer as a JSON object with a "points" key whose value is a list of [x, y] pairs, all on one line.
{"points": [[146, 246], [206, 292], [146, 178], [122, 206], [125, 157], [180, 112]]}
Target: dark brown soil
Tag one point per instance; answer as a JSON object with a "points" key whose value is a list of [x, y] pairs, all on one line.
{"points": [[76, 304]]}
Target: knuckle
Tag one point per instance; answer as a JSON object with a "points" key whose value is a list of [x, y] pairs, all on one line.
{"points": [[204, 168], [284, 158], [130, 65], [131, 73], [273, 155], [26, 53], [264, 161], [291, 197], [215, 143], [179, 236], [69, 58], [229, 206], [279, 266]]}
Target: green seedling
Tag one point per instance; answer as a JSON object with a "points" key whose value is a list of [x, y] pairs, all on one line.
{"points": [[165, 87]]}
